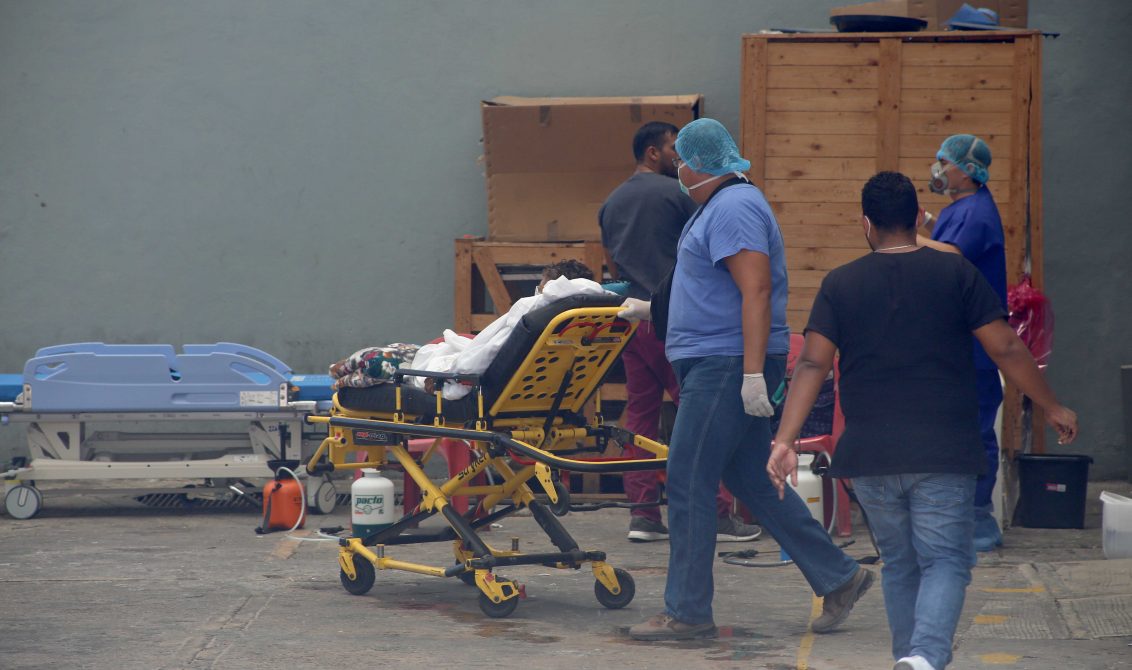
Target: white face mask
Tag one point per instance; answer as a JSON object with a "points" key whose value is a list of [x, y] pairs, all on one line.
{"points": [[688, 189]]}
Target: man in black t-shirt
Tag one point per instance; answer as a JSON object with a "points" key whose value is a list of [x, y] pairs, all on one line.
{"points": [[902, 318]]}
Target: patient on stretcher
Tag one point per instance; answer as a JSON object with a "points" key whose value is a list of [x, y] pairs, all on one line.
{"points": [[457, 353]]}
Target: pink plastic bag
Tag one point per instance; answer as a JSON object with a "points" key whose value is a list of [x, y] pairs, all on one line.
{"points": [[1031, 316]]}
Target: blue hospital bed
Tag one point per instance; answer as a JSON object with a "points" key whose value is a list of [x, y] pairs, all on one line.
{"points": [[64, 390]]}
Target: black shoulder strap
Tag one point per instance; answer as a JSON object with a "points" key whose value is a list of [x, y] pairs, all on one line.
{"points": [[660, 298]]}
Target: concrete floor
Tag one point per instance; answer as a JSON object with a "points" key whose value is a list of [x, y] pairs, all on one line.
{"points": [[99, 581]]}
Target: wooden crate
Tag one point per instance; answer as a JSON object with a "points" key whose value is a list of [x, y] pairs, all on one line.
{"points": [[485, 289], [820, 114]]}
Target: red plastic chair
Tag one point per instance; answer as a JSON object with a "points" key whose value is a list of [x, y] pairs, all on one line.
{"points": [[826, 443]]}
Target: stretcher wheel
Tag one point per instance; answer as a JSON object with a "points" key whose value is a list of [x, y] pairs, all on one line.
{"points": [[562, 507], [497, 610], [365, 576], [616, 601], [23, 502]]}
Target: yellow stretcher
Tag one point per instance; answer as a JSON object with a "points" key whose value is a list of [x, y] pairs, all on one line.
{"points": [[523, 417]]}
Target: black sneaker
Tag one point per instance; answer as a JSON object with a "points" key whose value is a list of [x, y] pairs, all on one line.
{"points": [[732, 529], [643, 529]]}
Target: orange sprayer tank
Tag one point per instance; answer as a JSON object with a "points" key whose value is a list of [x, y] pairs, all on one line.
{"points": [[282, 503]]}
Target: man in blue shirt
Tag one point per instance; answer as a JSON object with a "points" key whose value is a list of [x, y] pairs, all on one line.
{"points": [[971, 226], [727, 340], [640, 225]]}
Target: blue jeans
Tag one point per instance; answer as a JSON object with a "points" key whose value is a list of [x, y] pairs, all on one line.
{"points": [[924, 526], [714, 439]]}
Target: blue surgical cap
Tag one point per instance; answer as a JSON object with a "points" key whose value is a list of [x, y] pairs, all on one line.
{"points": [[706, 146], [971, 154]]}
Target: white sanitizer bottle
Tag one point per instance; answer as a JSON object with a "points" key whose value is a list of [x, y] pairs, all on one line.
{"points": [[809, 487], [371, 503]]}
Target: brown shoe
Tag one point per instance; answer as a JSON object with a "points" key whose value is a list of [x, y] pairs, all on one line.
{"points": [[836, 605], [664, 627]]}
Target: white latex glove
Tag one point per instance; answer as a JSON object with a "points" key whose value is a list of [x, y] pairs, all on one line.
{"points": [[756, 401], [636, 310]]}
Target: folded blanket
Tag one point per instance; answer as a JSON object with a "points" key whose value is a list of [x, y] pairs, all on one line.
{"points": [[372, 365]]}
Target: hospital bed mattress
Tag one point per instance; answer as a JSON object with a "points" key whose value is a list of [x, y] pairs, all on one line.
{"points": [[97, 377]]}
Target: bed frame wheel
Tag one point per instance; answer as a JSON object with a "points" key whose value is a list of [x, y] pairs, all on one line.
{"points": [[616, 601], [23, 502], [324, 498]]}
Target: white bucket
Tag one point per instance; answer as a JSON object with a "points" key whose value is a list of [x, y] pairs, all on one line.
{"points": [[1117, 523]]}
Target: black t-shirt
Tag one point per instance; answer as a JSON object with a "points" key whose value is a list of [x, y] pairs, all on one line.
{"points": [[640, 226], [903, 323]]}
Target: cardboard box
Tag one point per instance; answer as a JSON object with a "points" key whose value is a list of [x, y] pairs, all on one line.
{"points": [[551, 162], [1011, 13]]}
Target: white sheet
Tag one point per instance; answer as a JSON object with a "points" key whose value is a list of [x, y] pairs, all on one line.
{"points": [[472, 356]]}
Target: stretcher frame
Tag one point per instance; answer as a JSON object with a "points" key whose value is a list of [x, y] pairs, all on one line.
{"points": [[534, 424]]}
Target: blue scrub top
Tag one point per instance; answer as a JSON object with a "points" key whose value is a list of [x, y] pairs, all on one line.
{"points": [[705, 310], [973, 225]]}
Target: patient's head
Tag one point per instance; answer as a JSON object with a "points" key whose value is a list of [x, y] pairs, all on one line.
{"points": [[569, 268]]}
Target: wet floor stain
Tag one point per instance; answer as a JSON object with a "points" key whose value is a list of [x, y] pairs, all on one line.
{"points": [[732, 643], [512, 631]]}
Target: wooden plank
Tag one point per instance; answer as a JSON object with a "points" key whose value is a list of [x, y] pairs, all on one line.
{"points": [[837, 54], [481, 321], [820, 168], [1034, 179], [951, 123], [926, 146], [802, 295], [753, 112], [817, 213], [807, 278], [955, 55], [812, 190], [462, 291], [800, 123], [485, 263], [820, 258], [821, 76], [798, 317], [888, 117], [594, 257], [822, 145], [965, 78], [951, 100], [1017, 214], [528, 254], [820, 100], [834, 237]]}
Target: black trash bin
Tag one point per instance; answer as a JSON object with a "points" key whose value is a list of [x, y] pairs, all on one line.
{"points": [[1052, 490]]}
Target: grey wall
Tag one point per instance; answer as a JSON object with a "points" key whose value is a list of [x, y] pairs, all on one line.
{"points": [[290, 175]]}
